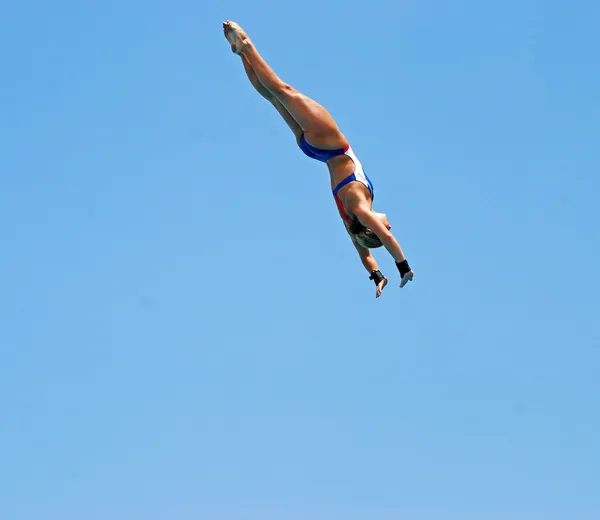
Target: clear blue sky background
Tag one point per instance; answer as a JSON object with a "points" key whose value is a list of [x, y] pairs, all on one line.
{"points": [[186, 332]]}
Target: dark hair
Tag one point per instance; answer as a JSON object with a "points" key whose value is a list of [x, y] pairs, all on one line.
{"points": [[364, 235], [355, 227]]}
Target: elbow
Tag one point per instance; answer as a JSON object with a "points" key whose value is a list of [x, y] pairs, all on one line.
{"points": [[365, 255], [385, 236], [384, 239]]}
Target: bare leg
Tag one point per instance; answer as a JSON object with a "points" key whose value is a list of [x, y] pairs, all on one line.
{"points": [[291, 122], [254, 80], [314, 120]]}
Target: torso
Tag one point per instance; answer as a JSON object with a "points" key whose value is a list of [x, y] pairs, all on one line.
{"points": [[340, 167], [350, 195]]}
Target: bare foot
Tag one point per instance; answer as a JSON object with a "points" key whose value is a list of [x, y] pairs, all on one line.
{"points": [[236, 36]]}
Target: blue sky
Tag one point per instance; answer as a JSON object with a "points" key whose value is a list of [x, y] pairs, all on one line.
{"points": [[185, 329]]}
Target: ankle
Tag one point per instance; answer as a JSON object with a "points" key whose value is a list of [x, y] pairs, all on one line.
{"points": [[247, 45]]}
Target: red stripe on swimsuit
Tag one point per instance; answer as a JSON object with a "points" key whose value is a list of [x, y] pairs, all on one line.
{"points": [[346, 218]]}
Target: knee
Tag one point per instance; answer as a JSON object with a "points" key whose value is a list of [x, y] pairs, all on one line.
{"points": [[285, 90]]}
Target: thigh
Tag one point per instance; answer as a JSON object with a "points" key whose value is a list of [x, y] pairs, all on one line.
{"points": [[313, 118]]}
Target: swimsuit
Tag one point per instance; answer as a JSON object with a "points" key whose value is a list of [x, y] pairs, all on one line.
{"points": [[358, 176]]}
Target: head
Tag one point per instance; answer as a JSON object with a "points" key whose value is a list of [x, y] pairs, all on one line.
{"points": [[366, 236]]}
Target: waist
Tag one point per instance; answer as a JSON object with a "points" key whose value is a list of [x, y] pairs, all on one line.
{"points": [[321, 154], [340, 168]]}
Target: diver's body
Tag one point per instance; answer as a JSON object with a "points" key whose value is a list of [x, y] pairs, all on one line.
{"points": [[319, 137]]}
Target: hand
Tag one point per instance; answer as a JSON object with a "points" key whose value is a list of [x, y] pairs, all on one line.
{"points": [[380, 287], [406, 278]]}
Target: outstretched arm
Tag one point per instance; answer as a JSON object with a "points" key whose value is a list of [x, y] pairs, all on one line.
{"points": [[368, 260], [367, 217]]}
